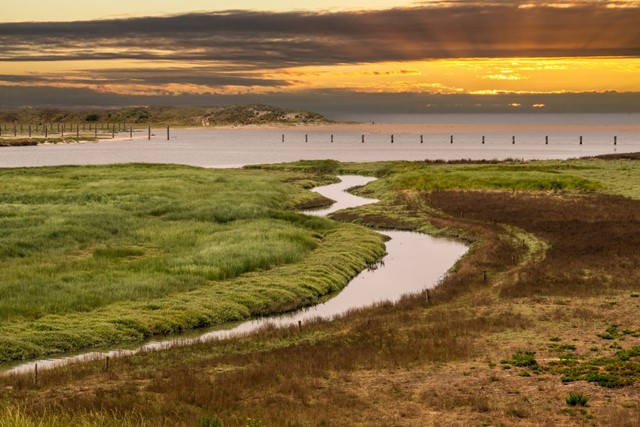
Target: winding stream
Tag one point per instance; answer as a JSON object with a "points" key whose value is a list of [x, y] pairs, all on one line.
{"points": [[414, 262]]}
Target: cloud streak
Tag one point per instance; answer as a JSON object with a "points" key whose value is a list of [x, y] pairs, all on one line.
{"points": [[275, 40]]}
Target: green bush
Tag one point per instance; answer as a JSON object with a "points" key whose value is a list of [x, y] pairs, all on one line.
{"points": [[576, 398]]}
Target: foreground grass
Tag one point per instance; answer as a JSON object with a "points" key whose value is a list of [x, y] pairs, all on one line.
{"points": [[557, 316], [92, 256]]}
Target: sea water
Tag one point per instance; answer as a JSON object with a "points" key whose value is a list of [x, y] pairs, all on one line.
{"points": [[386, 137]]}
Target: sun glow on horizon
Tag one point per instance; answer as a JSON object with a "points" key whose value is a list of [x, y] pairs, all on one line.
{"points": [[446, 76]]}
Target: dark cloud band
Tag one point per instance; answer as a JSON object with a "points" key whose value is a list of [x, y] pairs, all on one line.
{"points": [[263, 40]]}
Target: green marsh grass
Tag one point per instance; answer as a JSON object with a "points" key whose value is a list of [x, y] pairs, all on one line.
{"points": [[98, 255], [411, 363]]}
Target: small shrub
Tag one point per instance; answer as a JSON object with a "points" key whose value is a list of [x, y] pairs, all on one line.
{"points": [[210, 422], [523, 358], [577, 399]]}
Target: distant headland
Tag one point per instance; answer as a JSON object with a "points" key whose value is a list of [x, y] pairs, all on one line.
{"points": [[248, 114]]}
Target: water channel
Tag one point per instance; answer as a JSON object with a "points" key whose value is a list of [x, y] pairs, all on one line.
{"points": [[414, 262]]}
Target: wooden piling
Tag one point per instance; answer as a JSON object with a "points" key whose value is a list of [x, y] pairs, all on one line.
{"points": [[331, 137], [580, 140], [483, 139], [513, 139], [35, 376], [306, 137], [149, 134], [615, 140], [130, 132], [300, 325], [168, 136], [392, 139], [362, 139], [451, 139], [283, 137], [421, 139], [546, 140]]}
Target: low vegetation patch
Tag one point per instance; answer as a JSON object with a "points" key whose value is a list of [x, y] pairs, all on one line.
{"points": [[99, 255]]}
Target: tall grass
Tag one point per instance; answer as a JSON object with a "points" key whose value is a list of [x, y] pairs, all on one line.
{"points": [[98, 255]]}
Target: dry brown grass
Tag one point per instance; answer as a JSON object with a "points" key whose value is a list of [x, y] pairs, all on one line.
{"points": [[409, 363]]}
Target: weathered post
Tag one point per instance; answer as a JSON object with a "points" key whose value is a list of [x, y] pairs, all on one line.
{"points": [[392, 139], [46, 131], [283, 137], [62, 132], [483, 139], [77, 131], [615, 140], [580, 140], [513, 139], [484, 276], [331, 137], [362, 139], [130, 132], [300, 325], [106, 364], [29, 131], [168, 137], [546, 140], [149, 133], [306, 137], [35, 375], [451, 139], [421, 139], [95, 132], [113, 131], [15, 130]]}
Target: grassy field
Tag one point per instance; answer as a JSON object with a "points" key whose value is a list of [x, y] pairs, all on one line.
{"points": [[91, 256], [538, 325]]}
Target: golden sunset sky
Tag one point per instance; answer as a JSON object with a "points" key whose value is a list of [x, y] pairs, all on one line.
{"points": [[470, 55]]}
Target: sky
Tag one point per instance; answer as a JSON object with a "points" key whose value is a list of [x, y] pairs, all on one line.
{"points": [[328, 56]]}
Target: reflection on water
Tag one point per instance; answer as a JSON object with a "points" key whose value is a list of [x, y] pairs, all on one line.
{"points": [[237, 147], [413, 263]]}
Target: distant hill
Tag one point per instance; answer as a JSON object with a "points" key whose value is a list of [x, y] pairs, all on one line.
{"points": [[253, 114]]}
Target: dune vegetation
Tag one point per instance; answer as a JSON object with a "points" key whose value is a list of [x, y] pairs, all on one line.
{"points": [[539, 324]]}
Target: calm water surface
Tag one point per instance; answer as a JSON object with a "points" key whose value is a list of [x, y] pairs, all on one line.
{"points": [[413, 263], [237, 147]]}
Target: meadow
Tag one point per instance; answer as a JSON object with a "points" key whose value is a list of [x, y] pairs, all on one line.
{"points": [[93, 256], [537, 325]]}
